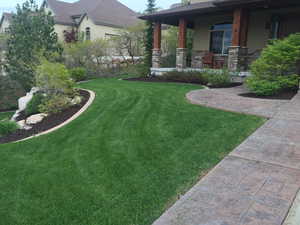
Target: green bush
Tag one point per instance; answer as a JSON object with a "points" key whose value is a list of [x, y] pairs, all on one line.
{"points": [[55, 104], [78, 74], [135, 70], [217, 79], [7, 127], [186, 77], [33, 106], [263, 87], [274, 71]]}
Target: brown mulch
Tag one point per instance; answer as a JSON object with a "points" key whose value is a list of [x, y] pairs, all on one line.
{"points": [[48, 123], [160, 80], [286, 95]]}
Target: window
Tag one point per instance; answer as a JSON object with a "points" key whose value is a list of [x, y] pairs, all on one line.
{"points": [[88, 34], [221, 38], [275, 26]]}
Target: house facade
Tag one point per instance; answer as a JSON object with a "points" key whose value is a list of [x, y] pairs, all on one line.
{"points": [[90, 19], [5, 22], [227, 33]]}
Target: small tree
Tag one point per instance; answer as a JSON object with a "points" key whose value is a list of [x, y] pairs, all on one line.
{"points": [[129, 42], [149, 34], [31, 35]]}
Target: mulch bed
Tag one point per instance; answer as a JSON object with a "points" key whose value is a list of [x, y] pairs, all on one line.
{"points": [[47, 123], [287, 95], [160, 80]]}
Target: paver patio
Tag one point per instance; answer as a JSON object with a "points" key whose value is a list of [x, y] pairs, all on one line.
{"points": [[258, 182]]}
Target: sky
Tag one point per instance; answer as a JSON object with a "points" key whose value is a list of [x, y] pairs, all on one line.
{"points": [[137, 5]]}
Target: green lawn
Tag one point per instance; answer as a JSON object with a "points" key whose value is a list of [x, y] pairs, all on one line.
{"points": [[6, 115], [122, 162]]}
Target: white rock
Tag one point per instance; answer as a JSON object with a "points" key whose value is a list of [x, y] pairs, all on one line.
{"points": [[23, 125], [34, 119], [23, 101], [77, 100]]}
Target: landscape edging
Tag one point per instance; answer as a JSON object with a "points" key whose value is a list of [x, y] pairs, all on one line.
{"points": [[75, 116]]}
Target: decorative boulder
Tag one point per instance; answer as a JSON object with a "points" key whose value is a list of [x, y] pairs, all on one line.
{"points": [[23, 101], [34, 119], [23, 125], [77, 100]]}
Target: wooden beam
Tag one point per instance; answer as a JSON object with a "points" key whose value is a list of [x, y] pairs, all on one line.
{"points": [[157, 36], [240, 27], [182, 33]]}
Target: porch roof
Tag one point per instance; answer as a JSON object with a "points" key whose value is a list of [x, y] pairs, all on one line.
{"points": [[190, 11]]}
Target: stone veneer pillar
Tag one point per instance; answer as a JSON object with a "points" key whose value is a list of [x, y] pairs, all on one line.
{"points": [[156, 58], [181, 58], [238, 58]]}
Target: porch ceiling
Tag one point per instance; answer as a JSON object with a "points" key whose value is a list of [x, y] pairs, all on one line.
{"points": [[192, 11]]}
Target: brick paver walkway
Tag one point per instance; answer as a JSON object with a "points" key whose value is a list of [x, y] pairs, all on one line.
{"points": [[257, 183]]}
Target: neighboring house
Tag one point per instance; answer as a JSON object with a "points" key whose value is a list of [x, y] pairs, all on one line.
{"points": [[92, 19], [228, 33], [5, 21]]}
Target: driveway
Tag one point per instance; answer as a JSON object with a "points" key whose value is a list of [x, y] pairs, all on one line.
{"points": [[257, 183]]}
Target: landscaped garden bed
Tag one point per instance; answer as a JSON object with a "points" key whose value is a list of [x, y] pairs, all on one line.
{"points": [[284, 95], [47, 123]]}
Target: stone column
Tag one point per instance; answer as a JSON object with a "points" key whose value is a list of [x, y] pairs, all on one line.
{"points": [[156, 52], [238, 58], [181, 52], [156, 58]]}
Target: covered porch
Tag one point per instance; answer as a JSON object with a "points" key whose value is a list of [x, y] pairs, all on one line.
{"points": [[227, 34]]}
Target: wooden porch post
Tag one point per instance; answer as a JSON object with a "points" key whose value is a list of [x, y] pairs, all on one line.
{"points": [[157, 36], [240, 27], [181, 53], [238, 52], [182, 33], [156, 53]]}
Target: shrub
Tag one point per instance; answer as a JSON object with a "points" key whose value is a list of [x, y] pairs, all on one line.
{"points": [[55, 104], [7, 127], [33, 106], [54, 79], [78, 74], [187, 77], [218, 79], [275, 70], [135, 70], [263, 87], [279, 58]]}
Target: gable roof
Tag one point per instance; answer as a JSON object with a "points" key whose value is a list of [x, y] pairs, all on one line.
{"points": [[102, 12]]}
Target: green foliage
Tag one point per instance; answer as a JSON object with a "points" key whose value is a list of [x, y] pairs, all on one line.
{"points": [[135, 70], [264, 87], [94, 56], [10, 91], [78, 74], [149, 35], [31, 35], [186, 77], [55, 104], [275, 70], [33, 106], [7, 127], [54, 79], [217, 79], [279, 58]]}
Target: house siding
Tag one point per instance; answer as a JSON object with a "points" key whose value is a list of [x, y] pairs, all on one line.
{"points": [[97, 31]]}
